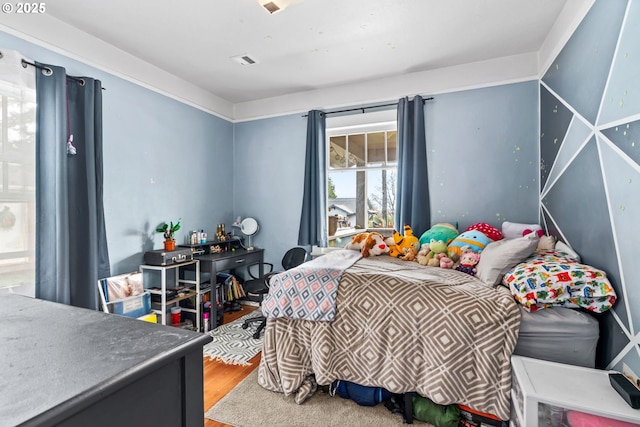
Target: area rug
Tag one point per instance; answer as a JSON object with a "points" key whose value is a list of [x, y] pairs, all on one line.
{"points": [[250, 405], [233, 345]]}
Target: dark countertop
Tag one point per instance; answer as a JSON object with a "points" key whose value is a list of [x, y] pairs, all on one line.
{"points": [[56, 358]]}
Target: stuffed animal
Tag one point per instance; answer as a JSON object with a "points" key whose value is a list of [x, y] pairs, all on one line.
{"points": [[475, 239], [370, 244], [443, 231], [546, 243], [436, 247], [409, 254], [434, 254], [423, 253], [402, 242], [487, 229], [468, 262]]}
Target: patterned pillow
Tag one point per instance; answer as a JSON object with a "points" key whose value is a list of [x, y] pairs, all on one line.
{"points": [[551, 278]]}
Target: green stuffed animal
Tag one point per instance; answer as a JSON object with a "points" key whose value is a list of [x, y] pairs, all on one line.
{"points": [[436, 247], [443, 231]]}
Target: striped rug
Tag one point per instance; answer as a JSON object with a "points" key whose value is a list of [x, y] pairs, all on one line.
{"points": [[233, 345]]}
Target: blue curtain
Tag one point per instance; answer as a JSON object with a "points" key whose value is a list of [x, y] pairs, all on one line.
{"points": [[71, 254], [313, 221], [412, 193]]}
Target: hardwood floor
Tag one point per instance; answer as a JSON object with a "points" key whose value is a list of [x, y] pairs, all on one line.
{"points": [[220, 378]]}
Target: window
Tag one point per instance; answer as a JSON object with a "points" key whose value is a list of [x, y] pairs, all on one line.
{"points": [[17, 188], [361, 173]]}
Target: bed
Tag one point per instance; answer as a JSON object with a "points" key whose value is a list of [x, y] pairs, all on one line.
{"points": [[444, 334], [405, 327]]}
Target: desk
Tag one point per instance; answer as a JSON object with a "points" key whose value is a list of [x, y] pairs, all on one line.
{"points": [[230, 260], [69, 366]]}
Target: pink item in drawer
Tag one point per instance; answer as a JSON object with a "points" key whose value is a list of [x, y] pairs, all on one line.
{"points": [[580, 419]]}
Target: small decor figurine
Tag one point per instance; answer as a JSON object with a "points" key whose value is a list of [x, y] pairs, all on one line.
{"points": [[168, 230]]}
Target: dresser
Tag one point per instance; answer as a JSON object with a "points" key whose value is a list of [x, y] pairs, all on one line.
{"points": [[69, 366]]}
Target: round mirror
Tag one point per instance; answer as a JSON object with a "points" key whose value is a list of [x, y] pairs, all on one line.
{"points": [[249, 226]]}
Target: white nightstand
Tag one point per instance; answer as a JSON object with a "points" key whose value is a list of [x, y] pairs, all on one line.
{"points": [[542, 390]]}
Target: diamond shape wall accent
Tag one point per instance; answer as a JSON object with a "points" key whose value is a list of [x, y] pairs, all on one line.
{"points": [[580, 71], [576, 136], [554, 122], [626, 137], [622, 98], [595, 201], [623, 185]]}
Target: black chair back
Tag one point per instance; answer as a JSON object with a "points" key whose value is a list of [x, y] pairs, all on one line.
{"points": [[294, 257]]}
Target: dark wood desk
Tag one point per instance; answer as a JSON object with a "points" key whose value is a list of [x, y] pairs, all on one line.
{"points": [[231, 260], [69, 366]]}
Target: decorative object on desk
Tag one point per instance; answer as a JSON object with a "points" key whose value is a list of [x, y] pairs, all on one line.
{"points": [[269, 408], [233, 345], [168, 230], [220, 233], [248, 227]]}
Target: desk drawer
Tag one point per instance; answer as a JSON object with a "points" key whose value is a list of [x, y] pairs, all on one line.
{"points": [[237, 261]]}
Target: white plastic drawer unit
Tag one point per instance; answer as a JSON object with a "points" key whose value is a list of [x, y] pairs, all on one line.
{"points": [[554, 394]]}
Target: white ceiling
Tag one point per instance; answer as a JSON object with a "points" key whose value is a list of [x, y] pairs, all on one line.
{"points": [[311, 45]]}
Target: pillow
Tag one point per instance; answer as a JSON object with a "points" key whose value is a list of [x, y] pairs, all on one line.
{"points": [[501, 256], [552, 278], [487, 229], [568, 250], [512, 230], [546, 243]]}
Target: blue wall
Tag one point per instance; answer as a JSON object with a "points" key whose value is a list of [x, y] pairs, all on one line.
{"points": [[590, 156], [162, 160], [482, 153], [268, 179]]}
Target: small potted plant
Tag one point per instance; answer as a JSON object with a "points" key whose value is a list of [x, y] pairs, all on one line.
{"points": [[168, 230]]}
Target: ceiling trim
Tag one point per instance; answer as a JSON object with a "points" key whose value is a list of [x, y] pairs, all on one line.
{"points": [[51, 33]]}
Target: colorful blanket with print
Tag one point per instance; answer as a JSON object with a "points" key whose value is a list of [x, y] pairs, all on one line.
{"points": [[552, 278], [404, 327], [309, 291]]}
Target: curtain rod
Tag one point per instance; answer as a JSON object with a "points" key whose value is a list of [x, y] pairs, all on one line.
{"points": [[366, 108], [50, 71]]}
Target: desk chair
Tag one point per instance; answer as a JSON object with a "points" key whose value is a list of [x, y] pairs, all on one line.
{"points": [[260, 286]]}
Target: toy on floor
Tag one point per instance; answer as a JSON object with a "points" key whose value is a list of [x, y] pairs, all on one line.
{"points": [[369, 244]]}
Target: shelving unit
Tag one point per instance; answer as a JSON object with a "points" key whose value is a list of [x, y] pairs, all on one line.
{"points": [[543, 393], [191, 289]]}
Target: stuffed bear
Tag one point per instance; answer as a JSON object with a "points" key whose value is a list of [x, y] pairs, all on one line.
{"points": [[369, 244]]}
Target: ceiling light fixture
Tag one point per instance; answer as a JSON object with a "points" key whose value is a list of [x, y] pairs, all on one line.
{"points": [[270, 6]]}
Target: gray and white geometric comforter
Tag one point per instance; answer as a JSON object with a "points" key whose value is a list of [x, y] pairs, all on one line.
{"points": [[404, 327]]}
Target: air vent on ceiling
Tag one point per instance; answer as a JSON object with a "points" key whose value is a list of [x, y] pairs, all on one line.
{"points": [[271, 7], [244, 59]]}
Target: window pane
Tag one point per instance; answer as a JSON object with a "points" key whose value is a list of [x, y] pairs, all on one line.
{"points": [[17, 190], [381, 186], [337, 152], [356, 150], [375, 149], [391, 147]]}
